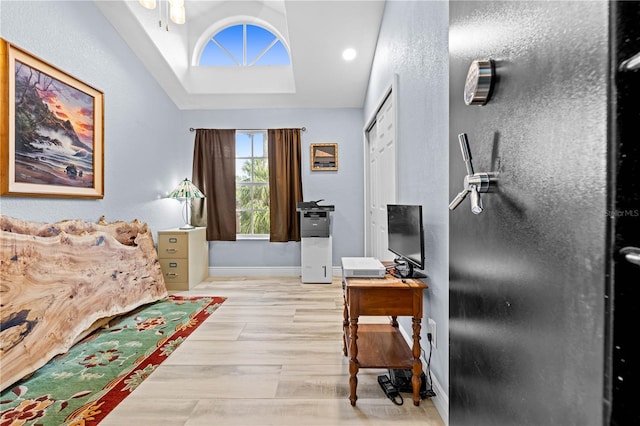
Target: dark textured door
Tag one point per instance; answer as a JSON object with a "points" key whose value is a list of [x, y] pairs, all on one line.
{"points": [[529, 275], [625, 214]]}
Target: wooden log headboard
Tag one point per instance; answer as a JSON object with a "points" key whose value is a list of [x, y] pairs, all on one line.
{"points": [[60, 281]]}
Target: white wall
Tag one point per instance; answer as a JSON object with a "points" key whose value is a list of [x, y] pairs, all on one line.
{"points": [[142, 137], [413, 44]]}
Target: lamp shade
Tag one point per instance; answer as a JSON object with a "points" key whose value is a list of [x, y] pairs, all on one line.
{"points": [[186, 189]]}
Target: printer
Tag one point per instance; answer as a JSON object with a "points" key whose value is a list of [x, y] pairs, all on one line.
{"points": [[315, 233]]}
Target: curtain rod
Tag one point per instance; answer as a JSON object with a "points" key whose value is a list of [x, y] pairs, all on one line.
{"points": [[304, 129]]}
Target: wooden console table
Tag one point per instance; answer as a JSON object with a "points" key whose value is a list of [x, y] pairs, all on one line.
{"points": [[382, 345]]}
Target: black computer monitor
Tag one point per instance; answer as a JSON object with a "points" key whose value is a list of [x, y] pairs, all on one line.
{"points": [[406, 237]]}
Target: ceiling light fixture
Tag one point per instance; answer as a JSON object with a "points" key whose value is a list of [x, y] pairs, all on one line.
{"points": [[349, 54], [174, 10], [149, 4]]}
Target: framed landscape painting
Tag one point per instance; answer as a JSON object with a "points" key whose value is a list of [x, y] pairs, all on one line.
{"points": [[52, 130]]}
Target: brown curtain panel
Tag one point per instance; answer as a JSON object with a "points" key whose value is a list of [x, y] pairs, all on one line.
{"points": [[214, 171], [285, 183]]}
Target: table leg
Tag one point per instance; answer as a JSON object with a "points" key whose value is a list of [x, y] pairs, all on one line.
{"points": [[353, 360], [417, 364], [345, 329]]}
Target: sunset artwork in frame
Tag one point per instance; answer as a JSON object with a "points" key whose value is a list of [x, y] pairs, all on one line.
{"points": [[51, 128]]}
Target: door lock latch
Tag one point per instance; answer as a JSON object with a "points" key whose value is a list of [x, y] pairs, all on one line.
{"points": [[632, 254], [474, 183]]}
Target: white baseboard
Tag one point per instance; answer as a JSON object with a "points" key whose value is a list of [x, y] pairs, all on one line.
{"points": [[441, 400], [257, 271]]}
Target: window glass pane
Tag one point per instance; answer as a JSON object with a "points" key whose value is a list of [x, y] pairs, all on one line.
{"points": [[259, 145], [232, 39], [213, 55], [257, 40], [261, 222], [243, 197], [277, 55], [260, 197], [243, 170], [244, 227], [243, 145], [260, 170]]}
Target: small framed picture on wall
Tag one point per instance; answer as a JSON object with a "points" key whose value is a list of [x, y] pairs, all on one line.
{"points": [[324, 156]]}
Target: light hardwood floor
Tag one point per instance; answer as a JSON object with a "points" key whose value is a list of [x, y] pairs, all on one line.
{"points": [[270, 355]]}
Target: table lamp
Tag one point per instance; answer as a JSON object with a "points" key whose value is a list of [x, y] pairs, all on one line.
{"points": [[186, 191]]}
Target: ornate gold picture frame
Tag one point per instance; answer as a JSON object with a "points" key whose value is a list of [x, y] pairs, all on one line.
{"points": [[324, 156], [52, 130]]}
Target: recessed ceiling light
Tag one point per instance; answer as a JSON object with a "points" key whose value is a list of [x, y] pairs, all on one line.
{"points": [[349, 54]]}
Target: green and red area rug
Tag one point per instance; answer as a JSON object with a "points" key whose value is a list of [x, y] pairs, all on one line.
{"points": [[83, 385]]}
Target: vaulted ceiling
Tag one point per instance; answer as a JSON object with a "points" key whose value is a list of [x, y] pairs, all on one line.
{"points": [[316, 33]]}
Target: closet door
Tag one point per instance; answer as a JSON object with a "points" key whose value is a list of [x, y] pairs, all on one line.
{"points": [[381, 178]]}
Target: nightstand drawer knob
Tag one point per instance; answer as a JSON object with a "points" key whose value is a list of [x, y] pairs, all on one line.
{"points": [[171, 250], [173, 240], [172, 274]]}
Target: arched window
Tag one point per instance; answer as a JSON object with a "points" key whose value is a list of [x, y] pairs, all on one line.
{"points": [[244, 45]]}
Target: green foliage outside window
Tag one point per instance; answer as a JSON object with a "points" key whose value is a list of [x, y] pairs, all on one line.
{"points": [[252, 187]]}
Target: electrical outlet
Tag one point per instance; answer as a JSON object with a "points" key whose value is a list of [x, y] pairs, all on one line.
{"points": [[431, 328]]}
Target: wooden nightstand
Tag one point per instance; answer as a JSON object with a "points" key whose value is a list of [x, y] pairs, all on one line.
{"points": [[184, 257]]}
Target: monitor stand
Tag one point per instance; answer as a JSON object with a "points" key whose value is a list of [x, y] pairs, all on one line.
{"points": [[416, 274], [409, 272]]}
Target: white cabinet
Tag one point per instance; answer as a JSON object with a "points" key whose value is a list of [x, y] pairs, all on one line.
{"points": [[316, 260]]}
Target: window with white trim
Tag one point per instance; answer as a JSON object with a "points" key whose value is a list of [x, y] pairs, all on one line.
{"points": [[252, 184], [244, 45]]}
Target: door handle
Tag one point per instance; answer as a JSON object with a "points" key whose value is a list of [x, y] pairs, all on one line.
{"points": [[474, 183], [632, 254], [631, 64]]}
